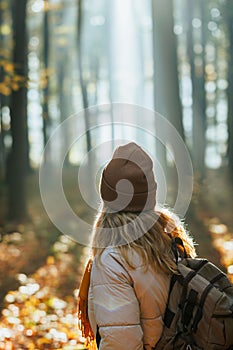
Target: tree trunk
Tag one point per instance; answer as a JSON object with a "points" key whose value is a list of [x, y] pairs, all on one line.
{"points": [[202, 94], [109, 29], [90, 180], [198, 94], [46, 66], [157, 75], [81, 78], [167, 98], [230, 84], [64, 98], [2, 146], [17, 162], [166, 84]]}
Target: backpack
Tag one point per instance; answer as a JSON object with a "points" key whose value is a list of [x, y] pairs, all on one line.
{"points": [[199, 311]]}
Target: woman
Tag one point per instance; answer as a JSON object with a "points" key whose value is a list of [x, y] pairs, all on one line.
{"points": [[132, 256]]}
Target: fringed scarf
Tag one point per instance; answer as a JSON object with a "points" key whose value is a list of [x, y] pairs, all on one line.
{"points": [[84, 323]]}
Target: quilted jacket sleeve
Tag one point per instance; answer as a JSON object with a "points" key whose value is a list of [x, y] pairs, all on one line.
{"points": [[113, 306], [151, 290]]}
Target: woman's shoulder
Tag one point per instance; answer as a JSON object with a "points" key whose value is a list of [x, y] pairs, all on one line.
{"points": [[110, 267], [113, 256], [109, 257]]}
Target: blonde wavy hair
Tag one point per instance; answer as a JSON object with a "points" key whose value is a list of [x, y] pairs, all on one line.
{"points": [[149, 234]]}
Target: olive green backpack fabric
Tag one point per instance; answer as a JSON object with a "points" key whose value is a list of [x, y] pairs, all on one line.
{"points": [[199, 312]]}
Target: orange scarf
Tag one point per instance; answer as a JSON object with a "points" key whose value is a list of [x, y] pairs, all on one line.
{"points": [[84, 323]]}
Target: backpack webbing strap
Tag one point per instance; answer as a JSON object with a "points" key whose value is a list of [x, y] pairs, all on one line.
{"points": [[218, 277], [174, 245], [199, 311], [169, 315], [187, 337], [189, 307], [188, 278], [225, 283]]}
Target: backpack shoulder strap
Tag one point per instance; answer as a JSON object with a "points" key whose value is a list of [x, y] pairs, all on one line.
{"points": [[176, 241]]}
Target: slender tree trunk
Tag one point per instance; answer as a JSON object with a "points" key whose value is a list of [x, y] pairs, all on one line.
{"points": [[46, 66], [17, 162], [3, 151], [90, 180], [110, 68], [167, 98], [2, 146], [230, 85], [95, 79], [202, 94], [81, 78], [159, 103], [64, 104], [198, 94], [166, 84]]}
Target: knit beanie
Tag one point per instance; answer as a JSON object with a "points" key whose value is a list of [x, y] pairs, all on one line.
{"points": [[127, 182]]}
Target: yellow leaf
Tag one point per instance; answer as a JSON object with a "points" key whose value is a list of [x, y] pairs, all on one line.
{"points": [[42, 341], [8, 67], [5, 29], [15, 86], [50, 260], [18, 78], [7, 80], [43, 83], [3, 5], [5, 90], [31, 346]]}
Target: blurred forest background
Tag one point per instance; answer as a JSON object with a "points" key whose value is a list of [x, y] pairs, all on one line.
{"points": [[60, 56]]}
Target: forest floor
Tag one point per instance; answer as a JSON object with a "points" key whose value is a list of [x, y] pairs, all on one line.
{"points": [[40, 269], [40, 272], [210, 217]]}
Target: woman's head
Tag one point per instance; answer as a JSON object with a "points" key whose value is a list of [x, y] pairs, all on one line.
{"points": [[127, 182], [128, 218]]}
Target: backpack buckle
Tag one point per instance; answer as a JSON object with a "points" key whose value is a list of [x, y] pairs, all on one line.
{"points": [[188, 347]]}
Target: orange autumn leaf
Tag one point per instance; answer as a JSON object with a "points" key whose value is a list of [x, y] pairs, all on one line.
{"points": [[5, 90], [8, 67]]}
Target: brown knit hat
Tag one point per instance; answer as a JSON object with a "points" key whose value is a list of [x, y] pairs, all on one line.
{"points": [[128, 182]]}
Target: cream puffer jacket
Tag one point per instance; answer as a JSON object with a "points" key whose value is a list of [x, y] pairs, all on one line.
{"points": [[127, 304]]}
